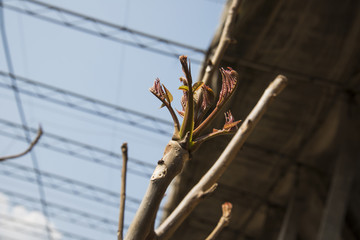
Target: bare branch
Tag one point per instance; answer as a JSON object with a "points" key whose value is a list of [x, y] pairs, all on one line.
{"points": [[171, 164], [124, 150], [223, 221], [32, 144], [168, 227]]}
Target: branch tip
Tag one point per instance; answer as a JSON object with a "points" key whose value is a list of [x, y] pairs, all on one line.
{"points": [[278, 84], [124, 150], [223, 221], [124, 147], [226, 210], [31, 146]]}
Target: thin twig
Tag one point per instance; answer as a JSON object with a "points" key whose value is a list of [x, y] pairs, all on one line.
{"points": [[124, 150], [32, 144], [168, 227], [223, 221]]}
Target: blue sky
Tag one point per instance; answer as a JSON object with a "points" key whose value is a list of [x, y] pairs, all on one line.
{"points": [[101, 69]]}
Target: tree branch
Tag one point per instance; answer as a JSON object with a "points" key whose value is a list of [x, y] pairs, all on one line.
{"points": [[223, 221], [124, 150], [168, 227], [175, 155], [32, 144], [224, 42], [213, 64]]}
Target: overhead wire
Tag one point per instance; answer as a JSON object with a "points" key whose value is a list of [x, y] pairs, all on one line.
{"points": [[67, 214], [78, 149], [101, 33], [86, 104], [24, 121], [101, 28], [66, 185]]}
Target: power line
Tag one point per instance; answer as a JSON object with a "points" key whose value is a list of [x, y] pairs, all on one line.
{"points": [[103, 29], [87, 104], [77, 149], [67, 214], [67, 185], [23, 120]]}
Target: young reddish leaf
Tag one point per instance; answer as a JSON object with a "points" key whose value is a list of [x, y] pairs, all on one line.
{"points": [[164, 95], [209, 90], [229, 82], [230, 123], [208, 97], [197, 85], [184, 101], [157, 90], [232, 126], [181, 113]]}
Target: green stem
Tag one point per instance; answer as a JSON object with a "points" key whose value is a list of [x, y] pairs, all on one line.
{"points": [[188, 122]]}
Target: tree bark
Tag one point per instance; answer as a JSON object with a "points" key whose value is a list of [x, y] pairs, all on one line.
{"points": [[142, 227]]}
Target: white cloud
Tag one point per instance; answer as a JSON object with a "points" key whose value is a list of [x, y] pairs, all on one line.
{"points": [[26, 218], [4, 203]]}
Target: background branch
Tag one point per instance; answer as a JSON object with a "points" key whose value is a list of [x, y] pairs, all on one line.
{"points": [[224, 42], [32, 144], [223, 221], [124, 150], [168, 227]]}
